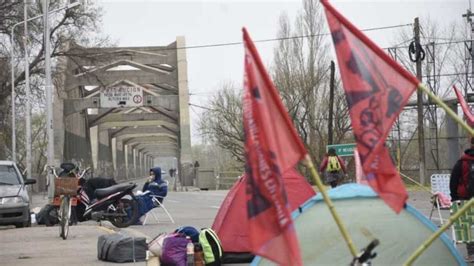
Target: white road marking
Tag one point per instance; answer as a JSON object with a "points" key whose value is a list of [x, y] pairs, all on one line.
{"points": [[170, 200], [215, 207]]}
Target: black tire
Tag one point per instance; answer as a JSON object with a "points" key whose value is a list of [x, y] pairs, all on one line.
{"points": [[27, 223], [24, 224], [65, 211], [127, 207]]}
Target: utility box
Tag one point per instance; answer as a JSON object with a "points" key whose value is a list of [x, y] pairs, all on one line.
{"points": [[206, 178]]}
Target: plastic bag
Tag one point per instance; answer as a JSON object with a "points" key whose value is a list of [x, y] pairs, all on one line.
{"points": [[174, 250]]}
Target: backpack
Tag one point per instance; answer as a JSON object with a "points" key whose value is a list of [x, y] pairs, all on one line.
{"points": [[333, 164], [211, 246], [470, 180], [190, 231]]}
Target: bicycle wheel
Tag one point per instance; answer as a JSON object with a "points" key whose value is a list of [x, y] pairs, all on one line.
{"points": [[65, 215]]}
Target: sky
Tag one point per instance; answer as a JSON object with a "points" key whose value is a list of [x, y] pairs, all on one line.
{"points": [[158, 22]]}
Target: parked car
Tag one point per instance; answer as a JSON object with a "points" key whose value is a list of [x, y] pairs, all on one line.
{"points": [[14, 199]]}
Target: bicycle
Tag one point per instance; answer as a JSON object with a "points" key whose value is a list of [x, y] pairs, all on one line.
{"points": [[65, 191]]}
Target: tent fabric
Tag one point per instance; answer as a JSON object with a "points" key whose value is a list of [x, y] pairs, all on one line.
{"points": [[366, 217], [231, 222]]}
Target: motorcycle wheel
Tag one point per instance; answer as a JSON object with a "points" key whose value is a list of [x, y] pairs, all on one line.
{"points": [[128, 207]]}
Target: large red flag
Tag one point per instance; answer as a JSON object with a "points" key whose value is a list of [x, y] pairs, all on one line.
{"points": [[465, 108], [272, 146], [377, 89]]}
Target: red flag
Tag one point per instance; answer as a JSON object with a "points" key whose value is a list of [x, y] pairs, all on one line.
{"points": [[272, 146], [465, 109], [377, 89]]}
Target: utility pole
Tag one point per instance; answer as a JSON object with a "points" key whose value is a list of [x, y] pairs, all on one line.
{"points": [[28, 95], [331, 103], [419, 94], [468, 16], [49, 97], [12, 55]]}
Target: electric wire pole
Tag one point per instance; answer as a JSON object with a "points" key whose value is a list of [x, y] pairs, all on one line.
{"points": [[28, 96], [331, 103], [419, 94], [49, 100]]}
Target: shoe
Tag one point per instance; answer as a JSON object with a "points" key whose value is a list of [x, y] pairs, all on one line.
{"points": [[469, 258]]}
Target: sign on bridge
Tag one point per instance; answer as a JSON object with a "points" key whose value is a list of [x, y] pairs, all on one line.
{"points": [[343, 149], [121, 96]]}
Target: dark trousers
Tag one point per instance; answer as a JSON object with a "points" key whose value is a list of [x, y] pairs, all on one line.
{"points": [[470, 249]]}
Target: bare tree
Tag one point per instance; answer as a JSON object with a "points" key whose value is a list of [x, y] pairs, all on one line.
{"points": [[301, 73], [222, 122], [78, 25]]}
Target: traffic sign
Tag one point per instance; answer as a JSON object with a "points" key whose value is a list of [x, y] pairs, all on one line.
{"points": [[343, 149], [121, 96]]}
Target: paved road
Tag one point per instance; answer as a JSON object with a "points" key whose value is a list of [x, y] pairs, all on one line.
{"points": [[42, 246]]}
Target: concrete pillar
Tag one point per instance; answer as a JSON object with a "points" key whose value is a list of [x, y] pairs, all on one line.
{"points": [[127, 166], [140, 159], [135, 163], [121, 168], [131, 166], [452, 137], [113, 143], [147, 163], [105, 153], [94, 138], [184, 121]]}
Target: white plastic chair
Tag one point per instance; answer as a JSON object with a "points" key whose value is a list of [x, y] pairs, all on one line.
{"points": [[156, 201]]}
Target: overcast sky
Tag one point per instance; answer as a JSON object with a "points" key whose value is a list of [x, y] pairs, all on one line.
{"points": [[156, 23]]}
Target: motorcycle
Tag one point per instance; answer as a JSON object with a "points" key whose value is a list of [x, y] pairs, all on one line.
{"points": [[104, 200]]}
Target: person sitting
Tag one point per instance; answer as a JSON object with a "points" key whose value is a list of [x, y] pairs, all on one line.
{"points": [[154, 186]]}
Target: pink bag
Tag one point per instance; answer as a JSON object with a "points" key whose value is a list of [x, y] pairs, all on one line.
{"points": [[444, 201]]}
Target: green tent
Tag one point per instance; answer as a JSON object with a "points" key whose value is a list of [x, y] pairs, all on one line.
{"points": [[366, 217]]}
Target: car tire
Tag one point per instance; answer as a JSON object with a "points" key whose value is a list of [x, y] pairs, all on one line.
{"points": [[24, 224], [27, 223], [19, 225]]}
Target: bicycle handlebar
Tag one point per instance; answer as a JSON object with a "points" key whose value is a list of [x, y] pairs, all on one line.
{"points": [[367, 254], [52, 169]]}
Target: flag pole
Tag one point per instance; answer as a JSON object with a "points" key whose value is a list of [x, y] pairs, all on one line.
{"points": [[446, 108], [443, 228], [345, 234]]}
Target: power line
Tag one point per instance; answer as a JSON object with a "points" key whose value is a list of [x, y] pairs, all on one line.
{"points": [[278, 39], [202, 107], [438, 43]]}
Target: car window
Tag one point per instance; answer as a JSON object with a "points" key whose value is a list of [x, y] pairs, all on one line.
{"points": [[8, 175]]}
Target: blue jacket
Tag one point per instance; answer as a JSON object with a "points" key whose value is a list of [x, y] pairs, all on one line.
{"points": [[158, 186]]}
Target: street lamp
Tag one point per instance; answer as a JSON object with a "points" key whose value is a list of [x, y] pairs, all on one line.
{"points": [[28, 93]]}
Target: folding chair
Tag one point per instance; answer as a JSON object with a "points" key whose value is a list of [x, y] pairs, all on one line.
{"points": [[158, 202], [462, 227], [439, 183]]}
